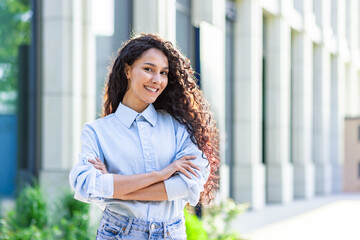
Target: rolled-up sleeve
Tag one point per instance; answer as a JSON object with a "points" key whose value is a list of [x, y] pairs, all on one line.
{"points": [[179, 186], [89, 183]]}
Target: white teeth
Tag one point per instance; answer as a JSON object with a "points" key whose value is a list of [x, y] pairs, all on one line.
{"points": [[151, 89]]}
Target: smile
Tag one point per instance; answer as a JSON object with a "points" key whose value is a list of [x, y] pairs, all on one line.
{"points": [[152, 89]]}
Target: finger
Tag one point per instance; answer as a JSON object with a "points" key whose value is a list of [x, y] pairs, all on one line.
{"points": [[194, 166], [98, 159], [190, 169], [90, 160], [98, 166], [185, 158], [186, 173]]}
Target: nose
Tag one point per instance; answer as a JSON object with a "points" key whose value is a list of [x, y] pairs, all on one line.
{"points": [[156, 78]]}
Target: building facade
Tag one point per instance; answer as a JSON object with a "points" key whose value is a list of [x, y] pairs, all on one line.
{"points": [[352, 152], [280, 75]]}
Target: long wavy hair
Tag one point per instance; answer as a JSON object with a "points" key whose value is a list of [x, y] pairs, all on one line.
{"points": [[181, 98]]}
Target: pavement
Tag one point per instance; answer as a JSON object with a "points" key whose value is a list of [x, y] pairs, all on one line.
{"points": [[334, 217]]}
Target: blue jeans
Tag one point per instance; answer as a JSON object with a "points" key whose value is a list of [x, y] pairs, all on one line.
{"points": [[115, 226]]}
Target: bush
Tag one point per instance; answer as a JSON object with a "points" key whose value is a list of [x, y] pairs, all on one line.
{"points": [[30, 210], [74, 220], [29, 219], [215, 222], [32, 220], [217, 219]]}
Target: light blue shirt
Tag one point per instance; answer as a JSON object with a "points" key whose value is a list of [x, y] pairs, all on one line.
{"points": [[132, 143]]}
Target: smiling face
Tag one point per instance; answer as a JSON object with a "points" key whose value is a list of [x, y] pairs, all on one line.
{"points": [[148, 77]]}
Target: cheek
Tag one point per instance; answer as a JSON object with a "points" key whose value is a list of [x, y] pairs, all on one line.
{"points": [[165, 83]]}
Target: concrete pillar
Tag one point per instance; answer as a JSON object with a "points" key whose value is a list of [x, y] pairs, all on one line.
{"points": [[211, 11], [249, 173], [351, 90], [321, 116], [155, 16], [339, 79], [304, 182], [352, 94], [68, 87], [337, 117], [209, 17], [354, 25], [353, 15], [277, 104]]}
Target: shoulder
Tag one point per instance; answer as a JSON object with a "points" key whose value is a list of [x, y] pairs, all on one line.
{"points": [[99, 123], [178, 128], [164, 116]]}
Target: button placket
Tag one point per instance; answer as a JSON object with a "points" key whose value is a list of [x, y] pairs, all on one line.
{"points": [[145, 136]]}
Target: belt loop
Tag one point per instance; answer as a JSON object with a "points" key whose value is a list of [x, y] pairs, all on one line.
{"points": [[128, 226], [165, 230]]}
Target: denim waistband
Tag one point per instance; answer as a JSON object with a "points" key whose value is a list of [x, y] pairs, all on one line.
{"points": [[127, 223]]}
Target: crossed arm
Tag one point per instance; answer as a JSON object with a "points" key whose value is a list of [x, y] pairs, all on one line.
{"points": [[147, 186]]}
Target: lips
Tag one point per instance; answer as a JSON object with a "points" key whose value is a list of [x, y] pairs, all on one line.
{"points": [[154, 90]]}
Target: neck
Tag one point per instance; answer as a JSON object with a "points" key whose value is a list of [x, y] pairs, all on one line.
{"points": [[138, 107]]}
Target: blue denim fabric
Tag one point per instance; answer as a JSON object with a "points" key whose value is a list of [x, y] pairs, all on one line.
{"points": [[115, 226]]}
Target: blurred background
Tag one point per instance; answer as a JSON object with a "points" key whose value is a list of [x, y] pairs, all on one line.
{"points": [[282, 77]]}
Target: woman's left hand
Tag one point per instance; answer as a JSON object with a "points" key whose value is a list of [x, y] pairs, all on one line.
{"points": [[98, 164]]}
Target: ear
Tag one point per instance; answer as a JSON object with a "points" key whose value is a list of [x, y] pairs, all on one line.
{"points": [[127, 71]]}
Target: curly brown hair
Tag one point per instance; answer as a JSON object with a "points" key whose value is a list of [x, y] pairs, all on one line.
{"points": [[181, 98]]}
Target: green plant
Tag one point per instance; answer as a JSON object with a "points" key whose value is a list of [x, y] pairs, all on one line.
{"points": [[218, 217], [4, 232], [74, 220], [30, 209], [32, 220], [194, 227], [29, 219]]}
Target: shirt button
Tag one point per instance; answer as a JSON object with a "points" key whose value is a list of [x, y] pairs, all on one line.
{"points": [[141, 126], [152, 226]]}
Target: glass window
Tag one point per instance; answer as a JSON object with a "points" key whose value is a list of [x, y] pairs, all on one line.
{"points": [[183, 27], [108, 44], [15, 86]]}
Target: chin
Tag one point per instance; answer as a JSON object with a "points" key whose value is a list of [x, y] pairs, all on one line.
{"points": [[149, 101]]}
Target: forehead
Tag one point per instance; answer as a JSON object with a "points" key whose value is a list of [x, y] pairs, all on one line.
{"points": [[154, 56]]}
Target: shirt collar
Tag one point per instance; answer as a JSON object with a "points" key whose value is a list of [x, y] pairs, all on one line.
{"points": [[150, 114], [128, 115]]}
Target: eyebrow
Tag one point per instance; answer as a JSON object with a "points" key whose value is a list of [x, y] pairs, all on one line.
{"points": [[151, 64]]}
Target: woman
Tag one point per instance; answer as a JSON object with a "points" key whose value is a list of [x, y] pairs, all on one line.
{"points": [[154, 150]]}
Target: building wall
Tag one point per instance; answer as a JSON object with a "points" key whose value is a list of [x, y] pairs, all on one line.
{"points": [[352, 155]]}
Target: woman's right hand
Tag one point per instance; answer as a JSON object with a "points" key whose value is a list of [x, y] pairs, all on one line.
{"points": [[183, 165]]}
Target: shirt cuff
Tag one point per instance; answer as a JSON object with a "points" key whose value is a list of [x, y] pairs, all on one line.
{"points": [[176, 188], [105, 185]]}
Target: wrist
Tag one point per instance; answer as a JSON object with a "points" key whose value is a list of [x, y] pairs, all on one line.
{"points": [[158, 176]]}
